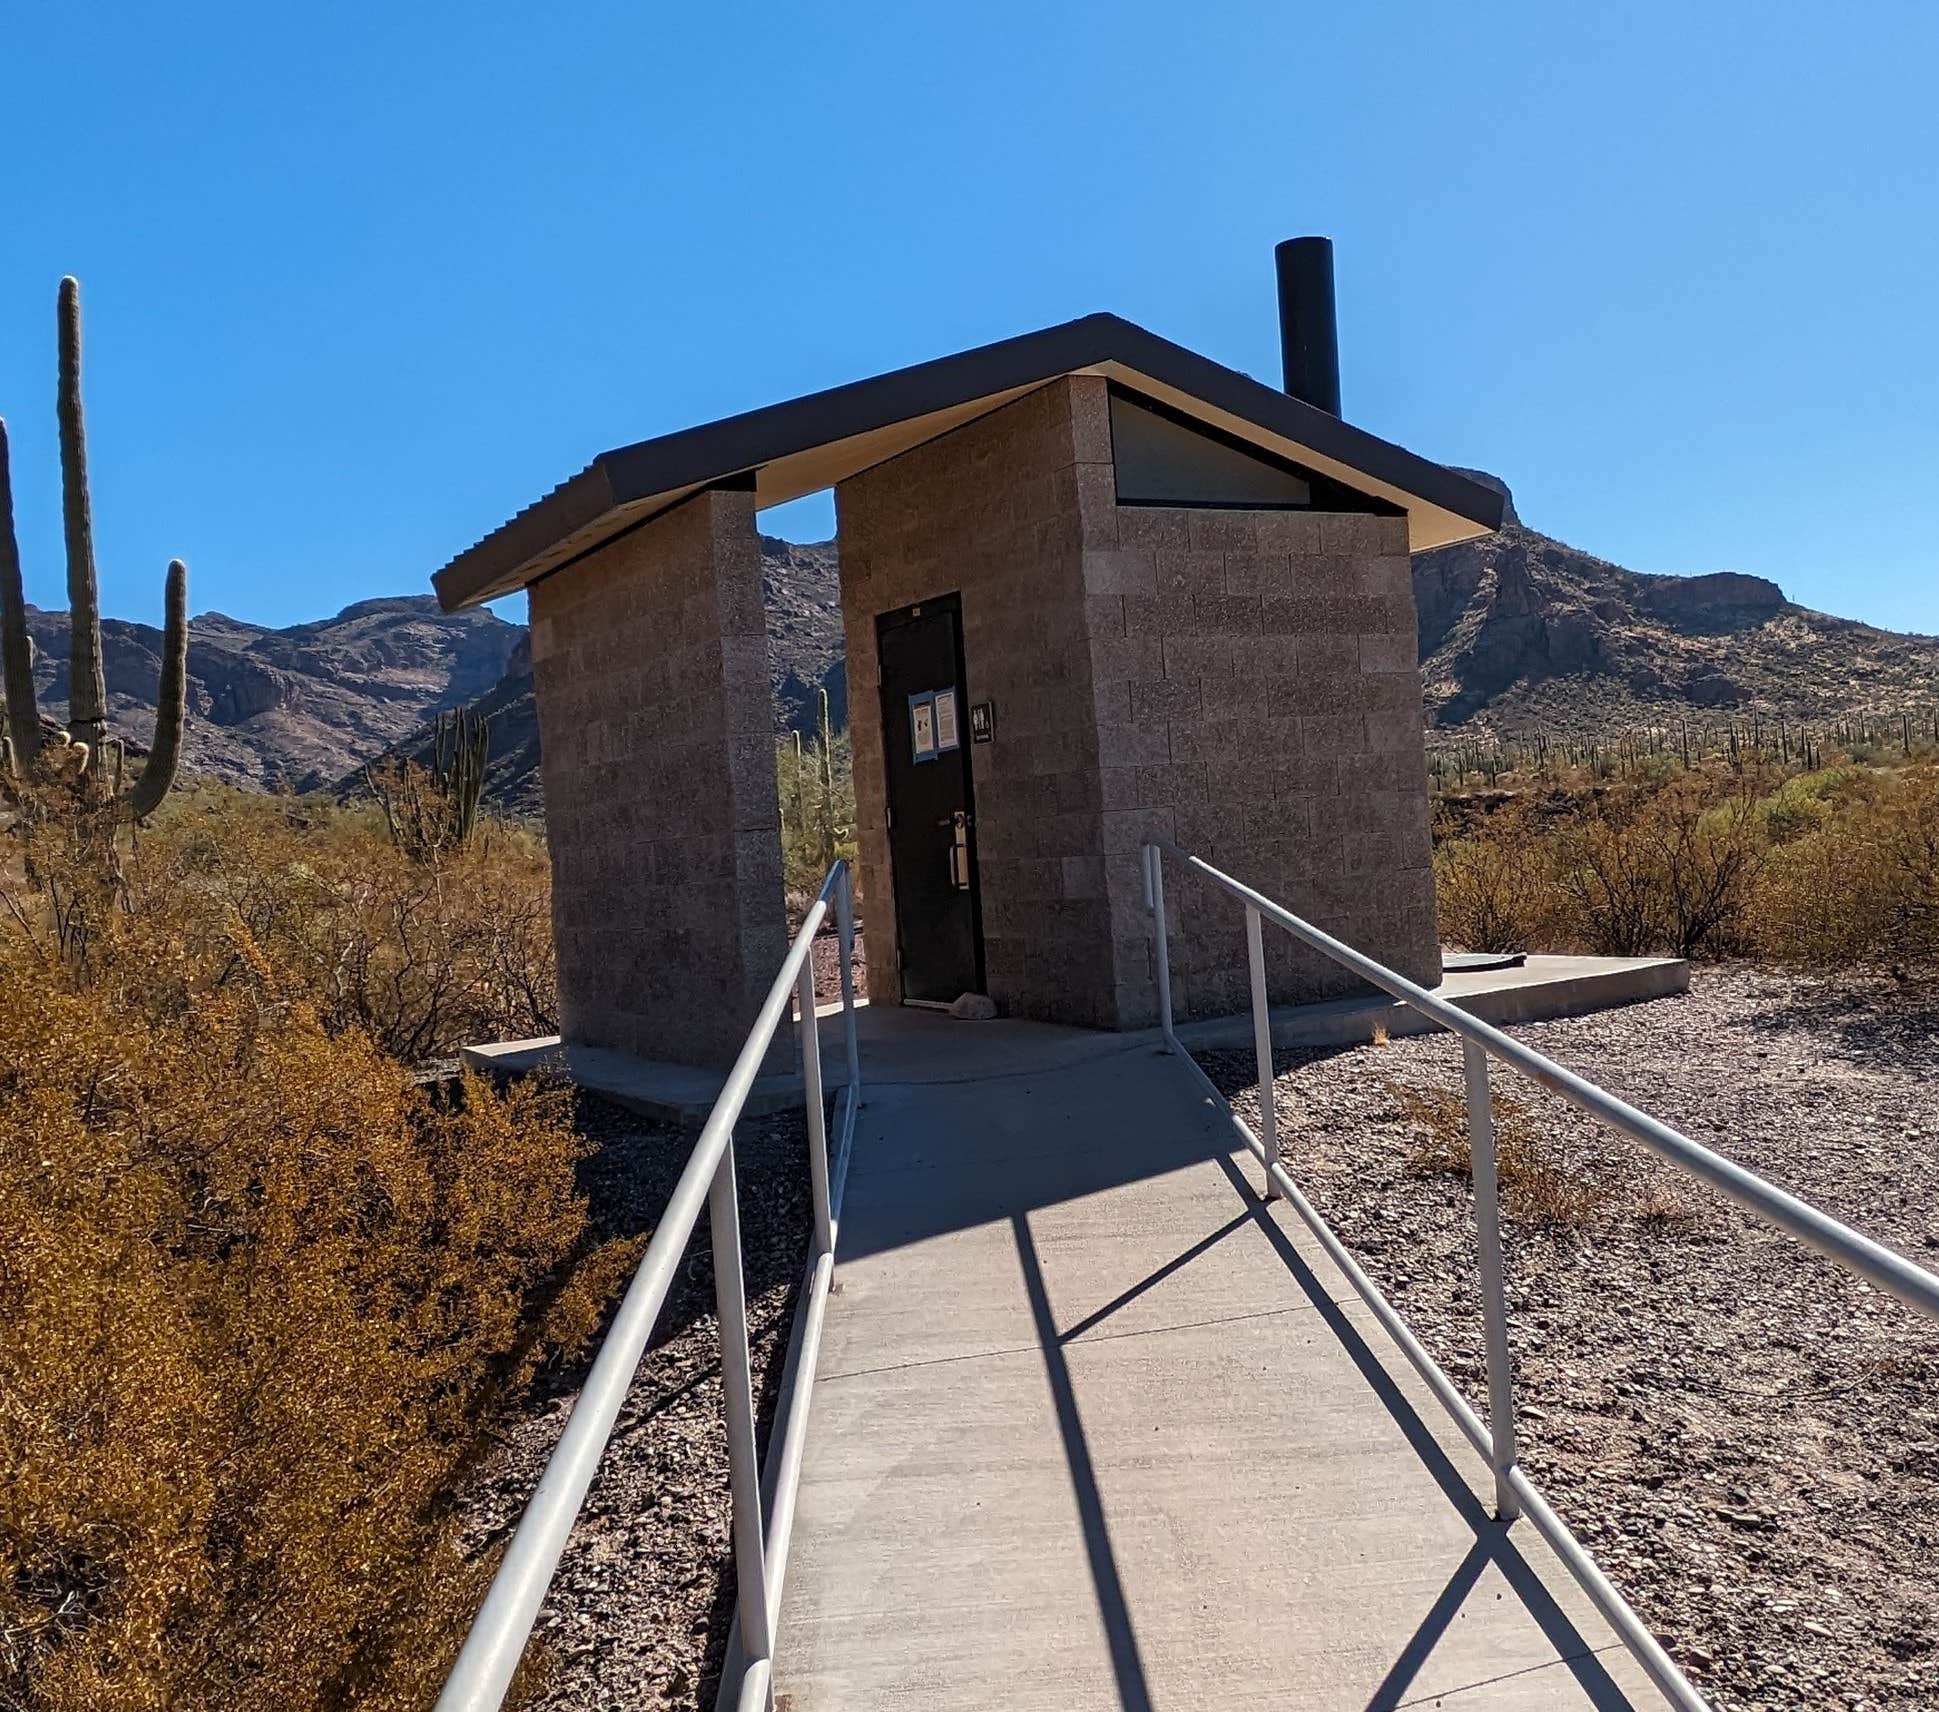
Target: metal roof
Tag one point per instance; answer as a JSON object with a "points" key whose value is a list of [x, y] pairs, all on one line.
{"points": [[810, 443]]}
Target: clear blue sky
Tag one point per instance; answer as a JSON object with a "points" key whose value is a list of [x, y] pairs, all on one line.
{"points": [[362, 280]]}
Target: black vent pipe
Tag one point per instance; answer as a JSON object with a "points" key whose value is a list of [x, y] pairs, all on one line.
{"points": [[1309, 336]]}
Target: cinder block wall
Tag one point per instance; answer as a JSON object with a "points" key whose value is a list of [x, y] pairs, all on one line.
{"points": [[650, 658], [997, 511], [1243, 682], [1258, 700]]}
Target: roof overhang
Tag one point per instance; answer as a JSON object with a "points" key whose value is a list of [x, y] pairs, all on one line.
{"points": [[814, 442]]}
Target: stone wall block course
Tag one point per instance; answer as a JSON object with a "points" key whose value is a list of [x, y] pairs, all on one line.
{"points": [[1160, 615], [1232, 698], [1351, 535], [1289, 531], [1096, 486], [1257, 574], [1332, 733], [1229, 615], [1196, 573], [1196, 656], [1223, 531], [1324, 655], [1117, 571], [1388, 651], [1130, 829], [1124, 657], [1154, 528], [1156, 701], [1104, 614], [1384, 576], [1123, 744]]}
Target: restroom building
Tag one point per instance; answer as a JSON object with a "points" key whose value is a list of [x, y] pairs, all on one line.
{"points": [[1096, 589]]}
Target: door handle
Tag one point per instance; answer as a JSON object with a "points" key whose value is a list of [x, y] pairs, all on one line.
{"points": [[959, 852]]}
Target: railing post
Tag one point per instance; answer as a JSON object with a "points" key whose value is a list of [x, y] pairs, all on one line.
{"points": [[1494, 1302], [1160, 950], [813, 1105], [845, 935], [1262, 1046], [737, 1393]]}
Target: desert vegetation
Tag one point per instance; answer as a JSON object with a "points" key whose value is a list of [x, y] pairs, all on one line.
{"points": [[1828, 864], [268, 1290], [816, 783]]}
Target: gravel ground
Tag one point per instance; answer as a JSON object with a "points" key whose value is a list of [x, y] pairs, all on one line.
{"points": [[638, 1616], [1745, 1436]]}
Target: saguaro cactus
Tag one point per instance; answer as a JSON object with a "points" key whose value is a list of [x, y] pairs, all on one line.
{"points": [[30, 751]]}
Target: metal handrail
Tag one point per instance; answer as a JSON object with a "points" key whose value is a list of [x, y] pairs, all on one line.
{"points": [[499, 1633], [1515, 1494]]}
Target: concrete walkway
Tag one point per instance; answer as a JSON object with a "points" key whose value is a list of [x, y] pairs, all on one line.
{"points": [[1093, 1429]]}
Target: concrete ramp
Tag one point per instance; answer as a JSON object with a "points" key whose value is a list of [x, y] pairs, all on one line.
{"points": [[1094, 1428]]}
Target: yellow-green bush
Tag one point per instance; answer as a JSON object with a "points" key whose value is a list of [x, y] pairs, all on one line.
{"points": [[1861, 887], [1495, 886], [424, 955], [1837, 866]]}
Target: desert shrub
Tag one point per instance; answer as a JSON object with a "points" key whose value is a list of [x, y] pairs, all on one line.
{"points": [[1669, 867], [1536, 1185], [263, 1300], [425, 953], [1862, 888], [1837, 866], [1494, 889]]}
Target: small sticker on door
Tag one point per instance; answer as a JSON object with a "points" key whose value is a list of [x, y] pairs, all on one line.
{"points": [[946, 737], [922, 726]]}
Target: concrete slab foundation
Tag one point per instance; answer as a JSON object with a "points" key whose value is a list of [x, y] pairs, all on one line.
{"points": [[930, 1049], [1536, 990]]}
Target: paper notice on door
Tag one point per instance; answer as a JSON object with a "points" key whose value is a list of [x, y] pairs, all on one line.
{"points": [[922, 726], [946, 737]]}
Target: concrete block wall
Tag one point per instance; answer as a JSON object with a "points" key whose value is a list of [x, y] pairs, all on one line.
{"points": [[650, 660], [1258, 700], [996, 511], [1242, 682]]}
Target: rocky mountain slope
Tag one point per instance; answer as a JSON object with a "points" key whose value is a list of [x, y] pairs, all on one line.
{"points": [[295, 707], [804, 602], [804, 613], [1521, 633]]}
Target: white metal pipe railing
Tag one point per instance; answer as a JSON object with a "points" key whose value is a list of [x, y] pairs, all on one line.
{"points": [[499, 1633], [1515, 1494]]}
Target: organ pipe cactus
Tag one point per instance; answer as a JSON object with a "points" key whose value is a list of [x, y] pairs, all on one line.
{"points": [[31, 754], [461, 747]]}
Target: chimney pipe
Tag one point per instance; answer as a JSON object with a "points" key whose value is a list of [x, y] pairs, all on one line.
{"points": [[1309, 338]]}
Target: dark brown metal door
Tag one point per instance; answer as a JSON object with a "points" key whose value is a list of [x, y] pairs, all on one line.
{"points": [[932, 809]]}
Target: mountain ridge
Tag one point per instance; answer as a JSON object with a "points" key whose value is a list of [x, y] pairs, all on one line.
{"points": [[294, 707], [1520, 633]]}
